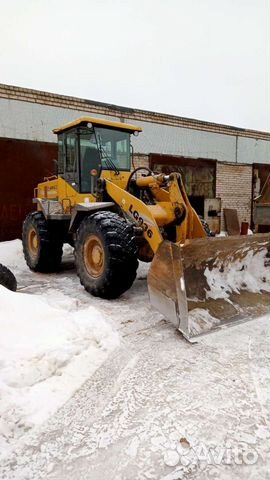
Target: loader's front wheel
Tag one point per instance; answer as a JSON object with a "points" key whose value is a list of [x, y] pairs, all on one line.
{"points": [[42, 245], [106, 255]]}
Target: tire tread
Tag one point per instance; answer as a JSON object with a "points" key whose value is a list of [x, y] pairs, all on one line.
{"points": [[119, 241], [50, 244]]}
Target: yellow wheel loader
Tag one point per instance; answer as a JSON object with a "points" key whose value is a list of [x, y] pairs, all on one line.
{"points": [[114, 217]]}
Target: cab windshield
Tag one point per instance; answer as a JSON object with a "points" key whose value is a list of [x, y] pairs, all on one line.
{"points": [[114, 148]]}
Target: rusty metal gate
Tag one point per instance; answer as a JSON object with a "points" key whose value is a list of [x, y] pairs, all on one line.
{"points": [[22, 165]]}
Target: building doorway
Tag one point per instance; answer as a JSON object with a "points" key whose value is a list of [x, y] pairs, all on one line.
{"points": [[199, 176]]}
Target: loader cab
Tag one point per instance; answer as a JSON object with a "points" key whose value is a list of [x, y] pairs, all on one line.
{"points": [[88, 146]]}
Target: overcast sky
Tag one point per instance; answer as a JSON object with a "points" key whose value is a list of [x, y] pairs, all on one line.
{"points": [[204, 59]]}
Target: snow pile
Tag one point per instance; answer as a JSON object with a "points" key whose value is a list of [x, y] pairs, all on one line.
{"points": [[11, 255], [46, 353], [249, 274]]}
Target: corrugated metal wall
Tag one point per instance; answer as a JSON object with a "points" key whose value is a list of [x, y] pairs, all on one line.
{"points": [[33, 121]]}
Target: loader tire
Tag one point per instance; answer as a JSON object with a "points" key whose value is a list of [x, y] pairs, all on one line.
{"points": [[106, 255], [42, 245], [7, 278]]}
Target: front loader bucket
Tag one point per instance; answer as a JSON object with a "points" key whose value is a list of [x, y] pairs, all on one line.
{"points": [[211, 283]]}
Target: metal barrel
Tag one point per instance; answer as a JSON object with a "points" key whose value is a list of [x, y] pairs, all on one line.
{"points": [[211, 283]]}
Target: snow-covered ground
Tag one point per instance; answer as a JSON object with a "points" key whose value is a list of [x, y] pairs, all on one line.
{"points": [[48, 347], [138, 401]]}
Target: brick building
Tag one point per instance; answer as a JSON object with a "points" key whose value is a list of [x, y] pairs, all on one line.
{"points": [[217, 161]]}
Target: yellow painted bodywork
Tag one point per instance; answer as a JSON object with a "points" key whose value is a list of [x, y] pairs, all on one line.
{"points": [[120, 180], [151, 217], [98, 121], [170, 204], [60, 190], [56, 188]]}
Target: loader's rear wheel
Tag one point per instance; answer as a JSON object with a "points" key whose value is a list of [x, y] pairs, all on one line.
{"points": [[106, 255], [42, 245], [7, 278]]}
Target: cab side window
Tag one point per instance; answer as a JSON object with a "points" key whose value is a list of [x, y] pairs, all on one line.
{"points": [[71, 156], [61, 154]]}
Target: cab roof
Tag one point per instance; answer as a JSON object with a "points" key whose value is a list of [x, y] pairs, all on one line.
{"points": [[98, 122]]}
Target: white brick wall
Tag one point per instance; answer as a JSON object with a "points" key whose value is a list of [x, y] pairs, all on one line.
{"points": [[141, 161], [234, 187]]}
